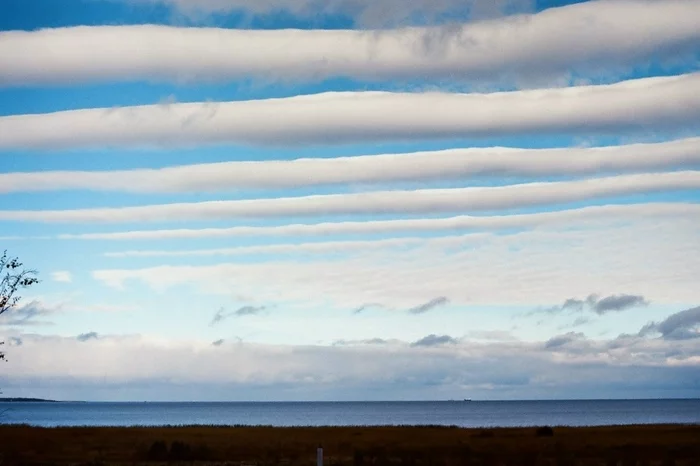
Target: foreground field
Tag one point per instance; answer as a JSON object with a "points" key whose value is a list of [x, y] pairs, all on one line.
{"points": [[414, 446]]}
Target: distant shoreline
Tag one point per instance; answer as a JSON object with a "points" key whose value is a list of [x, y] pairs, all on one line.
{"points": [[26, 400]]}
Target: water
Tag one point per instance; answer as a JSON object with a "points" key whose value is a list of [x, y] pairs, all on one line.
{"points": [[466, 414]]}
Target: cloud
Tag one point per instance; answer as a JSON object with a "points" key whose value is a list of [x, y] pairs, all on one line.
{"points": [[380, 202], [243, 311], [367, 306], [246, 371], [619, 302], [683, 325], [435, 340], [362, 12], [630, 212], [628, 107], [62, 276], [539, 266], [15, 341], [384, 168], [429, 305], [218, 342], [324, 247], [30, 314], [556, 44], [594, 303], [369, 341], [563, 340], [87, 336]]}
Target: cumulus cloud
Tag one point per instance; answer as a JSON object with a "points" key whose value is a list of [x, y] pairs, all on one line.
{"points": [[628, 212], [435, 340], [683, 325], [429, 305], [627, 107], [62, 276], [87, 336], [600, 305], [380, 202], [538, 266], [384, 168], [577, 40], [243, 311]]}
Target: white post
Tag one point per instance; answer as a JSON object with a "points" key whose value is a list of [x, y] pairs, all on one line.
{"points": [[319, 456]]}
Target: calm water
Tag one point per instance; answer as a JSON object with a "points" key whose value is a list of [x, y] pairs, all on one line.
{"points": [[467, 414]]}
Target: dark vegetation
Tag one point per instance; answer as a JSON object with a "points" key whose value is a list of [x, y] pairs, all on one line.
{"points": [[352, 446]]}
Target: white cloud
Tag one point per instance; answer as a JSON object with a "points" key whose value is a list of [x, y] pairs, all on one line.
{"points": [[62, 276], [634, 106], [580, 39], [327, 247], [656, 258], [660, 211], [362, 12], [430, 165], [509, 369], [380, 202]]}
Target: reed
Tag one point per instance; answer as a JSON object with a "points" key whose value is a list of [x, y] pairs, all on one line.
{"points": [[405, 445]]}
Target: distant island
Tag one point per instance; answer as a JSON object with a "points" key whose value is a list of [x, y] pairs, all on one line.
{"points": [[25, 400]]}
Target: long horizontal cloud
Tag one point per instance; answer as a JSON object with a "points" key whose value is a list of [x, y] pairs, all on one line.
{"points": [[345, 117], [592, 213], [324, 247], [429, 165], [546, 45], [362, 12], [382, 202]]}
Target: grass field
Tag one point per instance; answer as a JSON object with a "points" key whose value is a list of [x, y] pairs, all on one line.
{"points": [[413, 446]]}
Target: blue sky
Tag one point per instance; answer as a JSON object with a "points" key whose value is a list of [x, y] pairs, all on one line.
{"points": [[520, 182]]}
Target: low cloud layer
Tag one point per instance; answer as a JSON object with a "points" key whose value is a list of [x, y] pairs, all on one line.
{"points": [[385, 168], [557, 44], [380, 202], [433, 366], [628, 107]]}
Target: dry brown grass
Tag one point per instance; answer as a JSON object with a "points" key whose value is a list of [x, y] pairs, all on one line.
{"points": [[411, 446]]}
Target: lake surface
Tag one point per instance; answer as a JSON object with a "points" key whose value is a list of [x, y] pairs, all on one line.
{"points": [[466, 414]]}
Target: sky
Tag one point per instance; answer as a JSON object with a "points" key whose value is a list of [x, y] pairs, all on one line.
{"points": [[351, 199]]}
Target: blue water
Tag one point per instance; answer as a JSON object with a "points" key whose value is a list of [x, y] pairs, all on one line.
{"points": [[466, 414]]}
